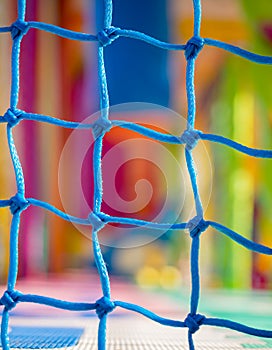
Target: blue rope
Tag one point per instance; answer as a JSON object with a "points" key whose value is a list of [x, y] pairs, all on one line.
{"points": [[195, 288], [55, 121], [4, 329], [58, 212], [151, 315], [13, 118], [193, 177], [253, 152], [5, 29], [107, 13], [136, 222], [21, 9], [104, 40], [13, 255], [237, 327], [96, 219], [62, 32], [255, 247], [10, 300], [97, 171], [197, 17], [16, 163], [97, 168], [155, 135], [253, 57], [133, 34]]}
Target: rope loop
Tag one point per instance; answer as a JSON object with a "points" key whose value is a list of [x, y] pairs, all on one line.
{"points": [[100, 127], [9, 299], [107, 36], [190, 137], [196, 226], [18, 203], [13, 116], [193, 47], [193, 322], [103, 306], [19, 29], [95, 221]]}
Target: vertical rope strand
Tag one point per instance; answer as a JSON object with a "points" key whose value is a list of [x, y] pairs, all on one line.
{"points": [[193, 178], [15, 223], [108, 13], [13, 252], [15, 71], [19, 176], [191, 101], [98, 178], [197, 17], [4, 330], [102, 78], [195, 279], [102, 333], [21, 9], [15, 57], [195, 284], [97, 173], [191, 341], [190, 92], [101, 266]]}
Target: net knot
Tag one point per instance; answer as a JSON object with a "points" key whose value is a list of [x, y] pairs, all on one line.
{"points": [[9, 299], [103, 306], [13, 116], [95, 221], [18, 203], [193, 322], [106, 36], [196, 226], [193, 47], [100, 127], [190, 137], [19, 28]]}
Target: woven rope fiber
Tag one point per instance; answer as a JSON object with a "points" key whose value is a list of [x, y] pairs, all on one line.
{"points": [[97, 219]]}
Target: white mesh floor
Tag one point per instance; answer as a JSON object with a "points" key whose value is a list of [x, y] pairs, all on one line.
{"points": [[129, 333], [127, 330]]}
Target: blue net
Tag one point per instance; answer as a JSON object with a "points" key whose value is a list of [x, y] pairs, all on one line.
{"points": [[97, 219]]}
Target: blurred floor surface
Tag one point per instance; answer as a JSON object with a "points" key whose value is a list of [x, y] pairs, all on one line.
{"points": [[37, 326]]}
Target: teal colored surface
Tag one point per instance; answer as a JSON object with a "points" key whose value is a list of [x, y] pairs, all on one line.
{"points": [[267, 344], [252, 308]]}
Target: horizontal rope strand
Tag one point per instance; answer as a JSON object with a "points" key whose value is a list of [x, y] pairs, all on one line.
{"points": [[239, 52], [217, 322], [63, 32], [56, 303], [149, 314], [58, 212], [256, 247], [254, 152]]}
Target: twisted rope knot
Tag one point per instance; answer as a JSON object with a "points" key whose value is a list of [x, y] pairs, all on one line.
{"points": [[193, 322], [19, 28], [103, 306], [190, 137], [13, 116], [107, 36], [193, 47], [196, 226], [100, 127], [9, 299], [18, 203], [95, 221]]}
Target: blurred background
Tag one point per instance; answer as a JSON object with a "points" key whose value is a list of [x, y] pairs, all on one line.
{"points": [[59, 78]]}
